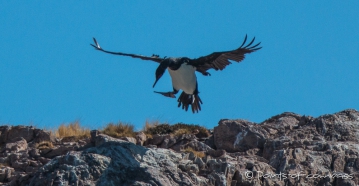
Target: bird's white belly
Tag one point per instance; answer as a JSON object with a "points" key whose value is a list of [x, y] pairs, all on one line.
{"points": [[184, 78]]}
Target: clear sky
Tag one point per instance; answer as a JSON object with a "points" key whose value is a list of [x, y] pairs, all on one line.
{"points": [[49, 73]]}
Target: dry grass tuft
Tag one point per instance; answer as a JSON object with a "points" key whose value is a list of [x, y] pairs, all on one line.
{"points": [[73, 129], [148, 126], [199, 131], [177, 129], [159, 129], [180, 132], [198, 154], [119, 130], [44, 145]]}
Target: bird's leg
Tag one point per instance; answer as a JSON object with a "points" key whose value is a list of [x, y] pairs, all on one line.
{"points": [[205, 73], [169, 94]]}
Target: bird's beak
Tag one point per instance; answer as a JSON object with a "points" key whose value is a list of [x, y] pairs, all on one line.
{"points": [[161, 70], [157, 78]]}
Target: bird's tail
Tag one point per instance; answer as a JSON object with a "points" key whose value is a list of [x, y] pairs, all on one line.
{"points": [[190, 99]]}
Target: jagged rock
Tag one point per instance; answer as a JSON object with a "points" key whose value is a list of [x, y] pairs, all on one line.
{"points": [[41, 135], [217, 153], [4, 160], [19, 144], [20, 178], [238, 135], [78, 168], [156, 139], [308, 147], [170, 141], [101, 139], [68, 139], [188, 156], [151, 146], [141, 138], [177, 143], [196, 145], [44, 160], [21, 131], [6, 173], [285, 149], [199, 162], [210, 142], [129, 139], [34, 153], [93, 134], [20, 164], [130, 163], [342, 126], [4, 130], [59, 150], [29, 133]]}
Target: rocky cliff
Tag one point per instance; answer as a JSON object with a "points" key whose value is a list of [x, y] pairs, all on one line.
{"points": [[287, 149]]}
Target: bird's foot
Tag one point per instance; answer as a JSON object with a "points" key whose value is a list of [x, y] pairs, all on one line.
{"points": [[97, 46], [206, 73], [167, 94]]}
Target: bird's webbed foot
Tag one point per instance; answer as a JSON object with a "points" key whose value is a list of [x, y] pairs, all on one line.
{"points": [[168, 94]]}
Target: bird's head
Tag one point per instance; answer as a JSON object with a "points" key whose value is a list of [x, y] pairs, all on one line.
{"points": [[185, 60], [161, 69]]}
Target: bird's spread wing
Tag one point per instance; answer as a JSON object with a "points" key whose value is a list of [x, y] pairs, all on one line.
{"points": [[219, 60], [155, 58]]}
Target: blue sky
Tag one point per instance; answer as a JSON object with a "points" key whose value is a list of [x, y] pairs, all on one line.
{"points": [[49, 74]]}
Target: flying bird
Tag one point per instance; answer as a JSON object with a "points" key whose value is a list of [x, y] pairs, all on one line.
{"points": [[182, 70]]}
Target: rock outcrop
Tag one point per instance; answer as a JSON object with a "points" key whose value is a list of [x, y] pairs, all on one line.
{"points": [[287, 149]]}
